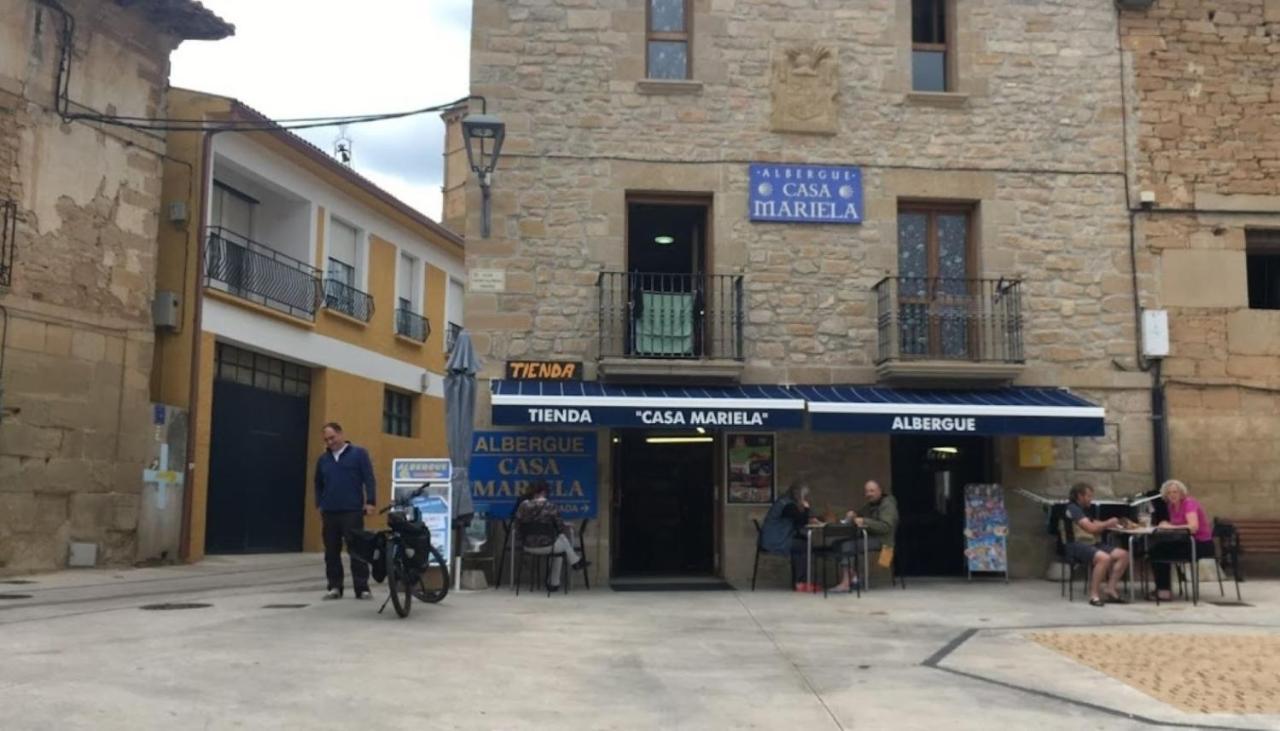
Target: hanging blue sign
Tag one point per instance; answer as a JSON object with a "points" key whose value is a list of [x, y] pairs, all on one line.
{"points": [[505, 464], [805, 193]]}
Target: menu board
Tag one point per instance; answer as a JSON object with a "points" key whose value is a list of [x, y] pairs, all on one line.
{"points": [[986, 529], [751, 468]]}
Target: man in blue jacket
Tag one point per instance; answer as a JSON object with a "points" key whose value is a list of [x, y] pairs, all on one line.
{"points": [[345, 492]]}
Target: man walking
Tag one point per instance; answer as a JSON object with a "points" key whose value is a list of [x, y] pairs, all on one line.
{"points": [[345, 492]]}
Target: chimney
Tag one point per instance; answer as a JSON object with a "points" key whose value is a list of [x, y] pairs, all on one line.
{"points": [[456, 170]]}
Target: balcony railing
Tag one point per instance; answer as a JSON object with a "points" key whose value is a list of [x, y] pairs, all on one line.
{"points": [[977, 320], [670, 316], [451, 333], [342, 297], [412, 325], [8, 240], [255, 272]]}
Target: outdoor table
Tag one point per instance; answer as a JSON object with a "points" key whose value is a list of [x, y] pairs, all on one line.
{"points": [[1146, 533], [812, 528]]}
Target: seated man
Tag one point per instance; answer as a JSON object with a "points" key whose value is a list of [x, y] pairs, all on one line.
{"points": [[539, 510], [880, 518], [1087, 547]]}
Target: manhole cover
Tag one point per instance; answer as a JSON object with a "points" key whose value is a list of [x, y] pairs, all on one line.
{"points": [[17, 581], [174, 605], [284, 606], [15, 596]]}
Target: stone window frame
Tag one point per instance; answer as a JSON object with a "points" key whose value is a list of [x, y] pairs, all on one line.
{"points": [[1262, 249], [685, 37], [961, 81], [945, 9]]}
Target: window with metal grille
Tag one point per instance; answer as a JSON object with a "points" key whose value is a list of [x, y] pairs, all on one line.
{"points": [[262, 371], [397, 413], [1262, 260], [8, 240]]}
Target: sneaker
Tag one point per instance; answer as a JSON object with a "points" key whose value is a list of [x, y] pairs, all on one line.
{"points": [[333, 594], [363, 594]]}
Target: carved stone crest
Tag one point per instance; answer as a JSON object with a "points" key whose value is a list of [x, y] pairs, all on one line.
{"points": [[805, 84]]}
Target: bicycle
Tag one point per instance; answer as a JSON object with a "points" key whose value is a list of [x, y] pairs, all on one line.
{"points": [[403, 554]]}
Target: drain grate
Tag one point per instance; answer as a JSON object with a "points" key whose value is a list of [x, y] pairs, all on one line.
{"points": [[284, 606], [15, 596], [167, 606], [17, 581]]}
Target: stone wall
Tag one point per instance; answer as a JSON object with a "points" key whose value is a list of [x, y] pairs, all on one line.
{"points": [[75, 435]]}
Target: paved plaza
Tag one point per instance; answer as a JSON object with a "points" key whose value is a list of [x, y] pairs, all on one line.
{"points": [[80, 653]]}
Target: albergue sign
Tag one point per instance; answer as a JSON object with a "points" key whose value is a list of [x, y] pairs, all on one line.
{"points": [[504, 464], [805, 193]]}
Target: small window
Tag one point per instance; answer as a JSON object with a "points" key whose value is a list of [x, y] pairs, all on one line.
{"points": [[262, 371], [397, 413], [667, 40], [1262, 259], [929, 48]]}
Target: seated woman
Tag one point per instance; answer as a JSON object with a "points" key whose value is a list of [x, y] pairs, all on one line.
{"points": [[781, 532], [880, 518], [1184, 512]]}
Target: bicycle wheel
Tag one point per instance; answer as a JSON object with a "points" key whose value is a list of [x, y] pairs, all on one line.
{"points": [[398, 579], [433, 596]]}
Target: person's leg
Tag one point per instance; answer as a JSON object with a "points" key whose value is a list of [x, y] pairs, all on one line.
{"points": [[848, 572], [799, 558], [565, 546], [1163, 571], [359, 569], [1101, 564], [331, 532], [1119, 564]]}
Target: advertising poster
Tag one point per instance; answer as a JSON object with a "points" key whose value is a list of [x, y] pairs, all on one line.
{"points": [[750, 470], [986, 529]]}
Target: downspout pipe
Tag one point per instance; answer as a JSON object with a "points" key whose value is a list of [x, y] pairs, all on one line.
{"points": [[1159, 426], [197, 325]]}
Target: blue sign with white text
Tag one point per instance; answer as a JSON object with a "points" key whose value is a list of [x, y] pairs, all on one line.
{"points": [[805, 193], [504, 464]]}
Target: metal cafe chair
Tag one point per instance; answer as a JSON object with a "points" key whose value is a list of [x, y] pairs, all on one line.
{"points": [[760, 551], [541, 569]]}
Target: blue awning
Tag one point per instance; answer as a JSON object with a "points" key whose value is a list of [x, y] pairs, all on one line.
{"points": [[590, 403], [1024, 411]]}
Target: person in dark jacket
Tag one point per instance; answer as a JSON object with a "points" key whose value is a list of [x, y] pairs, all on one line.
{"points": [[879, 517], [346, 491], [782, 531]]}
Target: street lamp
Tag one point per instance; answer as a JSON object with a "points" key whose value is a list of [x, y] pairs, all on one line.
{"points": [[484, 134]]}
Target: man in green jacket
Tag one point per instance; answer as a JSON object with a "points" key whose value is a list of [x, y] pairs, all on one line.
{"points": [[880, 519]]}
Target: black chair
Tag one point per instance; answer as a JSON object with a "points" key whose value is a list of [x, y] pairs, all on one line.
{"points": [[1064, 533], [546, 553], [760, 551], [1227, 547], [895, 579], [504, 555], [1177, 565], [582, 551]]}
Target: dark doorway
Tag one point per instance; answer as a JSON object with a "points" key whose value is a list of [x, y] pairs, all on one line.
{"points": [[664, 504], [929, 475], [667, 292], [257, 455]]}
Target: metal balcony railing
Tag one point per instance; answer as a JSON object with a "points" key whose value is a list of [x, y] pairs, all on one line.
{"points": [[949, 319], [8, 240], [451, 333], [670, 316], [257, 273], [412, 325], [342, 297]]}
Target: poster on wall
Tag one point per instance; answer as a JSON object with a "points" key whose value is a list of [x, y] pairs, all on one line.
{"points": [[986, 529], [751, 468]]}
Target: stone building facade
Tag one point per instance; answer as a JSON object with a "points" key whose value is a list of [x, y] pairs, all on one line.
{"points": [[1206, 123], [1026, 135], [75, 424]]}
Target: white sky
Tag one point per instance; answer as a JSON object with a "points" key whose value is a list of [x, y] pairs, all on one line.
{"points": [[306, 58]]}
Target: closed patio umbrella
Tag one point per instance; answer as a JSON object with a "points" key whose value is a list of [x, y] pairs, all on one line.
{"points": [[459, 421]]}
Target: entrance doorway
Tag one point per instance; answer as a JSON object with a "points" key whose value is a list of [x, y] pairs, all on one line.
{"points": [[664, 504], [929, 475], [666, 291], [257, 454]]}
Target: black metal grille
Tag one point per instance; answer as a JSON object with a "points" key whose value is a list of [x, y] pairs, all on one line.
{"points": [[397, 413], [949, 319], [8, 240], [682, 316], [452, 331], [412, 325], [348, 300], [243, 267], [262, 371]]}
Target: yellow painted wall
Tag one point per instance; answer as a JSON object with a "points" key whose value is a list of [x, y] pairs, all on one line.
{"points": [[204, 430], [437, 289]]}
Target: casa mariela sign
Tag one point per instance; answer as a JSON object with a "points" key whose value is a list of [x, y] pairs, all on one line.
{"points": [[669, 418], [805, 193], [505, 464]]}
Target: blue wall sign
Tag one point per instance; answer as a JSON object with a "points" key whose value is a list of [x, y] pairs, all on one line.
{"points": [[960, 425], [421, 470], [668, 418], [805, 193], [503, 464]]}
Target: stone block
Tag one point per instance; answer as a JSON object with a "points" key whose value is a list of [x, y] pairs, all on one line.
{"points": [[1254, 332], [91, 513], [26, 334], [17, 510], [90, 346], [1193, 278], [57, 340], [18, 439]]}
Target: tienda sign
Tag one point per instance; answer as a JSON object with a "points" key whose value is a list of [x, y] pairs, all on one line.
{"points": [[544, 370]]}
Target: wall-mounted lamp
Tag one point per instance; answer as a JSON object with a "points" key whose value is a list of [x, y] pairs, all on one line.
{"points": [[483, 134]]}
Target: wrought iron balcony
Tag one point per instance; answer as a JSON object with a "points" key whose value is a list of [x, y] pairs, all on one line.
{"points": [[687, 317], [342, 297], [953, 324], [412, 325], [252, 271], [451, 333]]}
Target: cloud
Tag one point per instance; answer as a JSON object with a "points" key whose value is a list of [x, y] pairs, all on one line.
{"points": [[295, 58]]}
